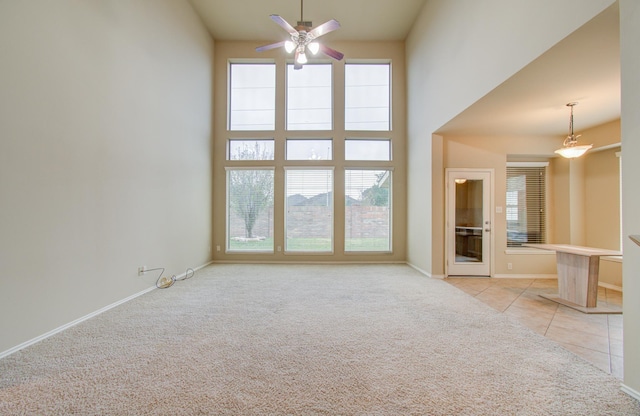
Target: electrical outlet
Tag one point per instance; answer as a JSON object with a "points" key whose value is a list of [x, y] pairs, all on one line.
{"points": [[217, 248], [142, 270], [510, 266], [279, 248]]}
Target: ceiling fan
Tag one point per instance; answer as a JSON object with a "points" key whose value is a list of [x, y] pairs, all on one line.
{"points": [[303, 38]]}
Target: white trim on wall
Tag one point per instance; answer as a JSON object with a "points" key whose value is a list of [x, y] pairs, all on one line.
{"points": [[84, 318], [631, 392], [71, 324], [526, 276]]}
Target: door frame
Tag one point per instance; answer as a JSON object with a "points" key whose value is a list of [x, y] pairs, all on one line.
{"points": [[449, 173]]}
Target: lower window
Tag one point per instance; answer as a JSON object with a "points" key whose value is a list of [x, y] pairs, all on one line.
{"points": [[309, 210], [525, 210], [367, 210], [250, 209]]}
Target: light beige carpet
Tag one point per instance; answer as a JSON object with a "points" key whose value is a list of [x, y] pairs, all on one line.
{"points": [[305, 340]]}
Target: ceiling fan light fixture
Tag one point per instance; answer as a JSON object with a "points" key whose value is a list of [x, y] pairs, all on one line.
{"points": [[314, 47], [289, 46], [570, 148], [302, 39]]}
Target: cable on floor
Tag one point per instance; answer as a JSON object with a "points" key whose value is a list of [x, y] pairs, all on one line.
{"points": [[164, 282]]}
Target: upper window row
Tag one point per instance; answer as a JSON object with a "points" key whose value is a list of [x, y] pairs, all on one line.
{"points": [[309, 99], [309, 149]]}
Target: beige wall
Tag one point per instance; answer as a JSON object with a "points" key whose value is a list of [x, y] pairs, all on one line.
{"points": [[105, 127], [587, 192], [452, 61], [596, 203], [354, 51], [630, 67], [560, 191], [493, 153], [602, 199]]}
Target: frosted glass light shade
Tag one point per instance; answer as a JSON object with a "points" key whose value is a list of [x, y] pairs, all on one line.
{"points": [[289, 46], [314, 47], [573, 151]]}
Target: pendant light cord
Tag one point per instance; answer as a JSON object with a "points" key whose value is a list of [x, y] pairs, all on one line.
{"points": [[571, 121]]}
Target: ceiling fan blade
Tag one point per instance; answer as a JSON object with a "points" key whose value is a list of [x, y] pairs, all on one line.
{"points": [[284, 24], [331, 52], [271, 46], [325, 28]]}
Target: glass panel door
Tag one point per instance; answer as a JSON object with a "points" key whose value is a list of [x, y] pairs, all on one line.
{"points": [[468, 223], [468, 241]]}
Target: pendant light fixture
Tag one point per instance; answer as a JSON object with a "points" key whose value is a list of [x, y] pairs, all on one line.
{"points": [[570, 148]]}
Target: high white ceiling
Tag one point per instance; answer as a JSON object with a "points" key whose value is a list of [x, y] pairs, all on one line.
{"points": [[584, 67], [359, 19]]}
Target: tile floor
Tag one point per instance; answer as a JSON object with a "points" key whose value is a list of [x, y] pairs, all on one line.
{"points": [[595, 337]]}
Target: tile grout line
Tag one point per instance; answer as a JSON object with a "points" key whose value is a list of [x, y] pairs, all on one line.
{"points": [[518, 297], [555, 311]]}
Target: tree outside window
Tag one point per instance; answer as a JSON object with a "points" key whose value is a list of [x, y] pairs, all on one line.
{"points": [[250, 201]]}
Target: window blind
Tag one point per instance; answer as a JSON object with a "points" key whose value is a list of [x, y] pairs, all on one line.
{"points": [[309, 210], [525, 208]]}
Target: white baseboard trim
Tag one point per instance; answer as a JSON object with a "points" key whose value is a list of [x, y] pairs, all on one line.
{"points": [[209, 263], [631, 392], [525, 276], [72, 323], [309, 262], [86, 317], [413, 266]]}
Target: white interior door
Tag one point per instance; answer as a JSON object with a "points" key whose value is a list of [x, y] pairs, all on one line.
{"points": [[468, 235]]}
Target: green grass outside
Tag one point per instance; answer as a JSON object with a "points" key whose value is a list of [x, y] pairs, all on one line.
{"points": [[367, 244], [312, 245], [262, 245]]}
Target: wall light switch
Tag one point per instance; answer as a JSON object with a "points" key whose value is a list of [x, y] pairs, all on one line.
{"points": [[498, 210]]}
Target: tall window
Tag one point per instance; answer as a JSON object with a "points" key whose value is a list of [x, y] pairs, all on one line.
{"points": [[367, 97], [295, 157], [367, 210], [249, 209], [309, 97], [309, 210], [525, 210], [252, 96]]}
